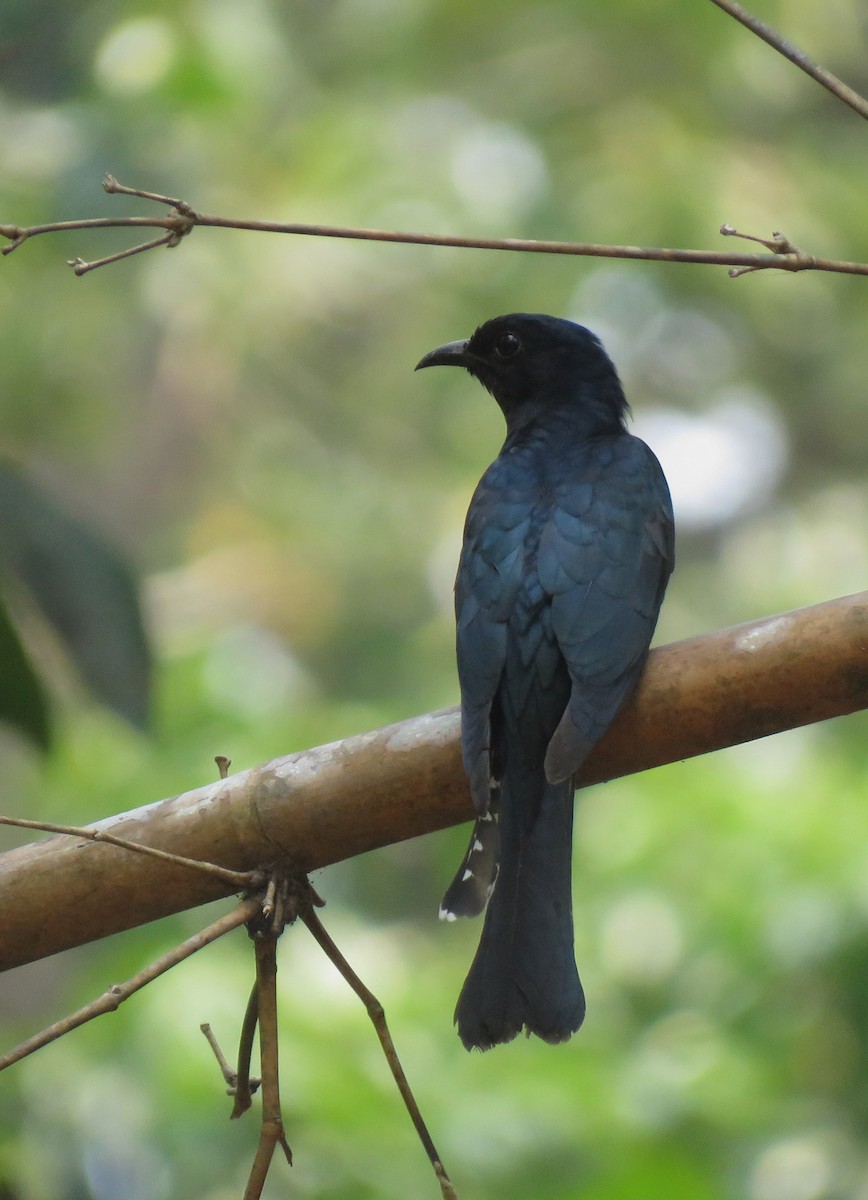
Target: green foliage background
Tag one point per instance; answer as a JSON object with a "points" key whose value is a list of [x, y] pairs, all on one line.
{"points": [[239, 416]]}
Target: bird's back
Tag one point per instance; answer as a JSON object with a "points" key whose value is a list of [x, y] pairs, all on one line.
{"points": [[566, 553]]}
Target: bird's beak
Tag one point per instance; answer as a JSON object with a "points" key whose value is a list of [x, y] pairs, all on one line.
{"points": [[453, 354]]}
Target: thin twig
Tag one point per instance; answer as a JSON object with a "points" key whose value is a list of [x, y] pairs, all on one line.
{"points": [[184, 219], [119, 992], [244, 1085], [778, 243], [225, 1070], [80, 267], [378, 1018], [272, 1132], [785, 47], [18, 234], [237, 879], [229, 1075], [111, 185]]}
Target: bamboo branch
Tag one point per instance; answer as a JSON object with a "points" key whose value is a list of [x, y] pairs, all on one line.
{"points": [[320, 806]]}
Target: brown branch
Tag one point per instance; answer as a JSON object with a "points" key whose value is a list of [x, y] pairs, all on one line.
{"points": [[80, 267], [230, 1076], [320, 806], [272, 1132], [238, 880], [785, 47], [374, 1009], [119, 992], [184, 219], [245, 1086], [783, 262]]}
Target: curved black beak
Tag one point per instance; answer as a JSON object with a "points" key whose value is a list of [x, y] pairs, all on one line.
{"points": [[453, 354]]}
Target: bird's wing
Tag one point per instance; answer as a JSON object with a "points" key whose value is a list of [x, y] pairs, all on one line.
{"points": [[605, 557], [490, 573]]}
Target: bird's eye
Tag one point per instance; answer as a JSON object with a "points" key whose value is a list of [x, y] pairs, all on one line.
{"points": [[507, 345]]}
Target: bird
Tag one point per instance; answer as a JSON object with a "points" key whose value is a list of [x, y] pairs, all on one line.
{"points": [[568, 547]]}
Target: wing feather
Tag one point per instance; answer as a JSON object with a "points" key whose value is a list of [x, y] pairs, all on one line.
{"points": [[617, 554]]}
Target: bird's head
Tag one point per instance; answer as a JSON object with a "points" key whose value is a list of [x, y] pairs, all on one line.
{"points": [[531, 362]]}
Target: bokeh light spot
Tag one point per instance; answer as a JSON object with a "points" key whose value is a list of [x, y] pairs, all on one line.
{"points": [[135, 56]]}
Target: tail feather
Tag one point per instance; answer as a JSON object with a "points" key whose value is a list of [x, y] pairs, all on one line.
{"points": [[524, 974], [468, 893]]}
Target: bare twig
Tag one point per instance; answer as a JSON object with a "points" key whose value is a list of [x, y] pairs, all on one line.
{"points": [[378, 1018], [237, 879], [286, 895], [230, 1076], [119, 992], [179, 223], [785, 47], [245, 1086], [211, 1038], [272, 1133], [111, 185], [18, 234], [778, 243], [80, 267]]}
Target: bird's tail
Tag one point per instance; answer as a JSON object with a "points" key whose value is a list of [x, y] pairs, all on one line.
{"points": [[524, 974]]}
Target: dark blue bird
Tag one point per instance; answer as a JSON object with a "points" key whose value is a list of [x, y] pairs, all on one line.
{"points": [[568, 547]]}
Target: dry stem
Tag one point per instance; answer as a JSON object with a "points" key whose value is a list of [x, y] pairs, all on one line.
{"points": [[184, 219], [374, 1010], [240, 880], [119, 992], [272, 1132], [785, 47]]}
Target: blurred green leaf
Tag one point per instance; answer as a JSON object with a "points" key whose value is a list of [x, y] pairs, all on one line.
{"points": [[23, 702], [83, 588]]}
